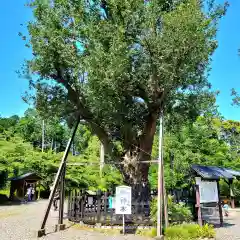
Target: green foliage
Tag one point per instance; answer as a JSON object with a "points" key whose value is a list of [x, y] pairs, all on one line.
{"points": [[208, 141], [135, 59], [18, 157], [178, 212], [225, 191], [147, 232], [189, 232]]}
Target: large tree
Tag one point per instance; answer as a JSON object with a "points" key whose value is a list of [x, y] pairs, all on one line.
{"points": [[118, 63]]}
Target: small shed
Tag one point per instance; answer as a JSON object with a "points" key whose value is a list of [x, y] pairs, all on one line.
{"points": [[216, 173], [21, 183], [207, 188]]}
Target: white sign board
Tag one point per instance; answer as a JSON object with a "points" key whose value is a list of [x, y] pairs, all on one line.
{"points": [[123, 200], [90, 200], [208, 192]]}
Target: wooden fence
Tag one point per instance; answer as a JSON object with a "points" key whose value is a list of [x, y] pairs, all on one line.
{"points": [[95, 209]]}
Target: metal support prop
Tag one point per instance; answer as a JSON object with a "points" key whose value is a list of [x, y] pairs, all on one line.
{"points": [[59, 174]]}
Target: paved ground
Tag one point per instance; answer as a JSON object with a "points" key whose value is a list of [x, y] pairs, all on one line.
{"points": [[21, 222], [231, 229]]}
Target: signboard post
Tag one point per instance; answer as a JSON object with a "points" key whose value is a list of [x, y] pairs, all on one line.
{"points": [[207, 192], [123, 202]]}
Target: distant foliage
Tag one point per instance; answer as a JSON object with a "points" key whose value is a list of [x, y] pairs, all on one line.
{"points": [[208, 141], [178, 212], [19, 154]]}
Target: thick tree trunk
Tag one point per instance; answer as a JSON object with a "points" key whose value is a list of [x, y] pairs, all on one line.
{"points": [[135, 168]]}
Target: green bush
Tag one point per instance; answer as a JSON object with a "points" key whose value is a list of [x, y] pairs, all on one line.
{"points": [[207, 231], [189, 232], [147, 232], [177, 232], [4, 192], [178, 212]]}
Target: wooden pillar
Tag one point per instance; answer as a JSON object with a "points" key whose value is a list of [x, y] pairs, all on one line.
{"points": [[231, 194], [41, 231], [12, 190], [98, 206], [23, 189], [62, 196], [220, 206], [198, 206]]}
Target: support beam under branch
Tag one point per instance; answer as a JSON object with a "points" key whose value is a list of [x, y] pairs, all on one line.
{"points": [[41, 232]]}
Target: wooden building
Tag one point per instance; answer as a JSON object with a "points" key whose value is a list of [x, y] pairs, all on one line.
{"points": [[20, 184]]}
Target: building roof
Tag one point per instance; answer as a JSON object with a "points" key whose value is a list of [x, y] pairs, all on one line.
{"points": [[32, 176], [215, 173]]}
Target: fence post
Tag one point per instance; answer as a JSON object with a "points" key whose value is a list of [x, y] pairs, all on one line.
{"points": [[198, 205], [105, 206], [219, 205], [69, 204], [98, 206]]}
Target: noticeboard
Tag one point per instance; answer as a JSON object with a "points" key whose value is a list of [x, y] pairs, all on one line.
{"points": [[123, 204], [208, 192]]}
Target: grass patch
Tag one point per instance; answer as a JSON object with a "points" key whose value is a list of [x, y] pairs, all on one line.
{"points": [[189, 232], [107, 231], [176, 232], [147, 232]]}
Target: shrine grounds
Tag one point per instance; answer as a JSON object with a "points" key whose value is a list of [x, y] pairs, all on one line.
{"points": [[21, 222]]}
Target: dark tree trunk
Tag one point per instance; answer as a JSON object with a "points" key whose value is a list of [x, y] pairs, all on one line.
{"points": [[135, 165]]}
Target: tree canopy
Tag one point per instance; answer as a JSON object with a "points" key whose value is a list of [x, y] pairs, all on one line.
{"points": [[118, 64]]}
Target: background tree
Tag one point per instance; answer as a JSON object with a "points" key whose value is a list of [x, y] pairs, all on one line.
{"points": [[135, 59]]}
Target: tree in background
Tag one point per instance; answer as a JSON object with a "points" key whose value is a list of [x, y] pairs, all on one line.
{"points": [[135, 59], [17, 156], [202, 142]]}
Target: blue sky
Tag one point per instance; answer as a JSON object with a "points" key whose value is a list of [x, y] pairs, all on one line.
{"points": [[225, 73]]}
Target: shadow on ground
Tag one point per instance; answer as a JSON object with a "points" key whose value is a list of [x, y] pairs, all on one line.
{"points": [[67, 227], [225, 225]]}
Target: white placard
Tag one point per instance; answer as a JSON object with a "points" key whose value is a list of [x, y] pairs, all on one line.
{"points": [[208, 192], [90, 200], [123, 200]]}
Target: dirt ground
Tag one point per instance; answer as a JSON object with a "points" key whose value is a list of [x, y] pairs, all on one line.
{"points": [[21, 222]]}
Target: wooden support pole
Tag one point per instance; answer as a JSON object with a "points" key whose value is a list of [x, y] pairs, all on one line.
{"points": [[43, 135], [165, 205], [198, 206], [231, 194], [164, 193], [98, 207], [62, 196], [160, 181], [220, 205], [41, 232], [101, 158]]}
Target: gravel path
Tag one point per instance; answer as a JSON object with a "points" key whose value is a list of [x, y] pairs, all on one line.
{"points": [[22, 222], [231, 229]]}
